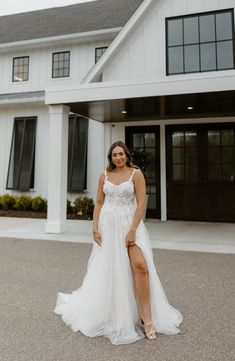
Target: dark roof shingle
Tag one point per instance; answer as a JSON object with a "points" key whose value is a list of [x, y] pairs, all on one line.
{"points": [[83, 17]]}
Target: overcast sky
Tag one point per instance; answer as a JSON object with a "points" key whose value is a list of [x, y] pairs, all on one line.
{"points": [[17, 6]]}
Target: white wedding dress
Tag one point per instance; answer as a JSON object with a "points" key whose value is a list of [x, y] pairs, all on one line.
{"points": [[106, 303]]}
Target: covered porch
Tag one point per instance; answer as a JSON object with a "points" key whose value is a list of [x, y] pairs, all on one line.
{"points": [[161, 104]]}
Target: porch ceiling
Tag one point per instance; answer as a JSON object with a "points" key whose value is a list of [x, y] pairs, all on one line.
{"points": [[212, 104]]}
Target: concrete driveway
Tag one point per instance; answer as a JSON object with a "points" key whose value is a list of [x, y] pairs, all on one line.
{"points": [[200, 285]]}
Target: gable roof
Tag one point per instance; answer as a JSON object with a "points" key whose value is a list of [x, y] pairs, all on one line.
{"points": [[95, 72], [72, 19]]}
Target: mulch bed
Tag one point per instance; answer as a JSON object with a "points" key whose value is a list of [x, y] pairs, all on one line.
{"points": [[32, 214]]}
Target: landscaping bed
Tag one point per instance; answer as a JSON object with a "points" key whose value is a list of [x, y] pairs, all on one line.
{"points": [[26, 207], [42, 215]]}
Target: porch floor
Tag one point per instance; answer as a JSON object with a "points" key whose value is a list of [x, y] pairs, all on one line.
{"points": [[175, 235]]}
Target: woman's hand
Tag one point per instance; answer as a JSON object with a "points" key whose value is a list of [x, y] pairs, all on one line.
{"points": [[97, 237], [130, 238]]}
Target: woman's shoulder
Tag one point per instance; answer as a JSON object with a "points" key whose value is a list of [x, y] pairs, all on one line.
{"points": [[103, 175], [136, 170], [137, 174]]}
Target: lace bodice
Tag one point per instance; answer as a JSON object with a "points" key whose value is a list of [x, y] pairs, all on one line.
{"points": [[122, 194]]}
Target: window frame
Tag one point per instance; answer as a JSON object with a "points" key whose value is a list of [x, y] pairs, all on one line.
{"points": [[100, 48], [15, 184], [52, 69], [13, 69], [199, 43]]}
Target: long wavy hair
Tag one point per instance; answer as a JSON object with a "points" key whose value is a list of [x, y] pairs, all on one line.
{"points": [[129, 161]]}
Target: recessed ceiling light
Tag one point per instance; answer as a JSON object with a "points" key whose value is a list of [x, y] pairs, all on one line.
{"points": [[190, 108], [124, 111]]}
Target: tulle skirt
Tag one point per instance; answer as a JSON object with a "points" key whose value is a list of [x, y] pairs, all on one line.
{"points": [[106, 304]]}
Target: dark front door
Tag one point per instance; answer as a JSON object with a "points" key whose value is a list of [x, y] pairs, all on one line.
{"points": [[201, 172], [144, 143]]}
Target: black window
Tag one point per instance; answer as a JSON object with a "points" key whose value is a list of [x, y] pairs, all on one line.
{"points": [[184, 155], [221, 155], [99, 52], [202, 42], [61, 64], [77, 153], [22, 157], [20, 69]]}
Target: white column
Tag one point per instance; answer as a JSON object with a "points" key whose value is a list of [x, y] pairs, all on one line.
{"points": [[107, 139], [57, 172], [163, 172]]}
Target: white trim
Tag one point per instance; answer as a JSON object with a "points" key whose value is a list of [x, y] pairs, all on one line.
{"points": [[118, 90], [76, 36], [23, 101], [98, 67]]}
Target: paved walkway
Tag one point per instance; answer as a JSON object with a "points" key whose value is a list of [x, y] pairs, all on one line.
{"points": [[177, 235], [200, 285]]}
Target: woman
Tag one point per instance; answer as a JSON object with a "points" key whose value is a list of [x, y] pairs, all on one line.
{"points": [[121, 294]]}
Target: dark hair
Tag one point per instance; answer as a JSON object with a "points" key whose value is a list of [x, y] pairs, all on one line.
{"points": [[129, 163]]}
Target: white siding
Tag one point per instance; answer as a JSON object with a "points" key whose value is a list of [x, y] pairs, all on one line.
{"points": [[82, 58], [143, 55], [95, 149], [7, 116]]}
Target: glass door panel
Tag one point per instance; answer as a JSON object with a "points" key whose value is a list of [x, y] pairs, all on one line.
{"points": [[144, 145], [184, 155], [221, 155]]}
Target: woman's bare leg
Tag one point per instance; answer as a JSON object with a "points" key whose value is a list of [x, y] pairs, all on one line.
{"points": [[141, 279]]}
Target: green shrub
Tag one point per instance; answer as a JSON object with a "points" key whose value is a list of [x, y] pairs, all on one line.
{"points": [[84, 206], [23, 203], [7, 202], [39, 204]]}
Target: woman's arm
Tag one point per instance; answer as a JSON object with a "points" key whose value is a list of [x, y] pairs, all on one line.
{"points": [[140, 193], [98, 204]]}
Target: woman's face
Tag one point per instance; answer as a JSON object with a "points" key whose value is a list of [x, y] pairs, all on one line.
{"points": [[119, 156]]}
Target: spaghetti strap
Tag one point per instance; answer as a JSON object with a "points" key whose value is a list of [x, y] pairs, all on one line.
{"points": [[131, 177]]}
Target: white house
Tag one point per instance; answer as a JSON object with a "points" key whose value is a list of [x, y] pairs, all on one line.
{"points": [[165, 84]]}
